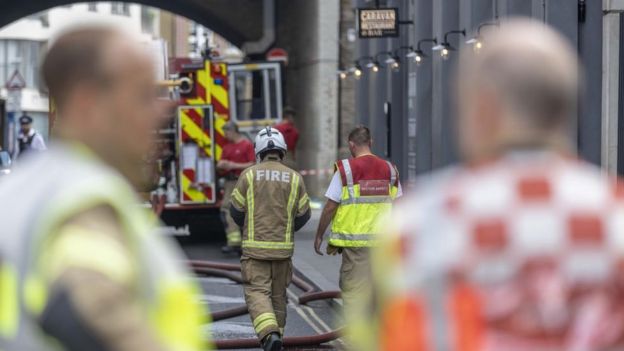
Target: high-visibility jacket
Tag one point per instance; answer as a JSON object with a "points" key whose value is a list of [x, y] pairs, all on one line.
{"points": [[369, 185], [40, 197], [272, 196]]}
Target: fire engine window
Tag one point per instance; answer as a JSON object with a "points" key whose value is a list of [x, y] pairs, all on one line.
{"points": [[250, 99], [273, 84], [255, 92]]}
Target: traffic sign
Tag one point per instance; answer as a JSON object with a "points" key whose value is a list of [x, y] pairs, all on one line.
{"points": [[16, 82], [277, 54]]}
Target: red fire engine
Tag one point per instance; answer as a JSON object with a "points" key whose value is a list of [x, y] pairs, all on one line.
{"points": [[210, 93]]}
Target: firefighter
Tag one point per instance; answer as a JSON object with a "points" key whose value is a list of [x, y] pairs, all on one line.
{"points": [[81, 267], [237, 155], [291, 136], [360, 193], [521, 247], [270, 203], [29, 138]]}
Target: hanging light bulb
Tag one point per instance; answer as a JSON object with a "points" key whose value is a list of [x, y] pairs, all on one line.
{"points": [[395, 65], [444, 53], [418, 59], [357, 72]]}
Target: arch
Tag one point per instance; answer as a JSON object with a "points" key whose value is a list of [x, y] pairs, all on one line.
{"points": [[238, 21]]}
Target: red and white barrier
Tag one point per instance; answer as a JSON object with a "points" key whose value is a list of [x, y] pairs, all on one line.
{"points": [[311, 172]]}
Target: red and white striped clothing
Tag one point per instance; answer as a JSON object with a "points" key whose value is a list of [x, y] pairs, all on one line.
{"points": [[525, 253]]}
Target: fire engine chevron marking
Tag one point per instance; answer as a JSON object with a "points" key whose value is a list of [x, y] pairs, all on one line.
{"points": [[195, 132], [194, 194]]}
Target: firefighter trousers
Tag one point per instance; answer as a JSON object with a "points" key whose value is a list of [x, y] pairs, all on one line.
{"points": [[232, 231], [355, 276], [265, 283]]}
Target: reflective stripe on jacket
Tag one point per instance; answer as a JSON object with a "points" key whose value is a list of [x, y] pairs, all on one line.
{"points": [[33, 207], [370, 184]]}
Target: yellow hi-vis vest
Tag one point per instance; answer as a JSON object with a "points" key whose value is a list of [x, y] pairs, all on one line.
{"points": [[356, 220], [40, 196]]}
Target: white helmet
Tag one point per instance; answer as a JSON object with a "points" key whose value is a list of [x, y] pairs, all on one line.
{"points": [[269, 139]]}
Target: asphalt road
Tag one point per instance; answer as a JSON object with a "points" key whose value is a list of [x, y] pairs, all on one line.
{"points": [[315, 318]]}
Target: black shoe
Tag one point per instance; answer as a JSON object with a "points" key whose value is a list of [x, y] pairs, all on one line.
{"points": [[272, 342]]}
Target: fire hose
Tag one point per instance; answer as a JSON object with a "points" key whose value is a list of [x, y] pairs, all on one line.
{"points": [[310, 293]]}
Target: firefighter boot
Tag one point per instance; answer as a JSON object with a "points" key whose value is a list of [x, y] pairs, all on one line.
{"points": [[272, 342]]}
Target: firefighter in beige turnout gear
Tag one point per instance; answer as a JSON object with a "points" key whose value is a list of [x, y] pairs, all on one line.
{"points": [[270, 203], [80, 265]]}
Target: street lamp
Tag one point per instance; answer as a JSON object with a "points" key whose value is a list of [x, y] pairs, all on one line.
{"points": [[445, 47], [419, 54], [357, 71], [342, 74], [373, 66], [477, 40], [391, 61], [369, 62]]}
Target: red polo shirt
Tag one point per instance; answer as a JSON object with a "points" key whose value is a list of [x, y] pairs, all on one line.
{"points": [[290, 133], [241, 152]]}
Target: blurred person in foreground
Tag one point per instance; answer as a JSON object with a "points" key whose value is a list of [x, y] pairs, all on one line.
{"points": [[80, 264], [520, 247]]}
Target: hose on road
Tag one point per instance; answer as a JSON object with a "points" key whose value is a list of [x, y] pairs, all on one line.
{"points": [[310, 293]]}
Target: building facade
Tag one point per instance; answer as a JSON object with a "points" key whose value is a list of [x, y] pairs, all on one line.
{"points": [[23, 44], [410, 109]]}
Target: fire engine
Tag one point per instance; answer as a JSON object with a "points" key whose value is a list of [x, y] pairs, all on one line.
{"points": [[209, 93]]}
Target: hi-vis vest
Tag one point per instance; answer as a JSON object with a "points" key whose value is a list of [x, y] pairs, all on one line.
{"points": [[53, 187], [370, 184]]}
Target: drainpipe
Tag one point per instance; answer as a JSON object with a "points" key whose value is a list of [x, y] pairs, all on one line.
{"points": [[261, 45]]}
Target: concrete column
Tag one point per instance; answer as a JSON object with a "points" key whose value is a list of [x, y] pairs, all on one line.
{"points": [[445, 18], [311, 82], [420, 95], [590, 49], [610, 90], [347, 108]]}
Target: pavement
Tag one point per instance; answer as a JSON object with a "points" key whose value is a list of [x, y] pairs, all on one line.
{"points": [[315, 318]]}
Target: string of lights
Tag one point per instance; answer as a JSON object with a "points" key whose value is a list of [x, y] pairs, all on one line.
{"points": [[393, 59]]}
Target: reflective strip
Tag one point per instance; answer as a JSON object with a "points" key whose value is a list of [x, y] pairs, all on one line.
{"points": [[90, 249], [234, 238], [250, 206], [272, 245], [303, 201], [368, 200], [35, 295], [294, 185], [264, 321], [237, 195], [178, 316], [9, 312], [393, 175], [349, 177], [352, 237]]}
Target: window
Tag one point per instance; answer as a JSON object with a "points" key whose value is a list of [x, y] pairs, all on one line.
{"points": [[21, 55], [255, 92], [120, 8], [92, 7]]}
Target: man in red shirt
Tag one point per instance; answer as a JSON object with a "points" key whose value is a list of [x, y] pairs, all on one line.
{"points": [[237, 155], [291, 135]]}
